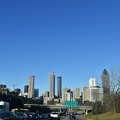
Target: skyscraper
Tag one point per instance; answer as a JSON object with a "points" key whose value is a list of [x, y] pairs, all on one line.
{"points": [[86, 94], [92, 82], [105, 82], [26, 89], [52, 85], [31, 86], [59, 87], [77, 92], [36, 92], [64, 94], [73, 91]]}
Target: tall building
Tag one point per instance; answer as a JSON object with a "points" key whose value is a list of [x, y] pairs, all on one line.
{"points": [[36, 92], [92, 94], [68, 94], [26, 89], [52, 85], [105, 82], [77, 93], [73, 94], [96, 94], [92, 82], [2, 87], [64, 94], [86, 94], [31, 86], [59, 87], [47, 94]]}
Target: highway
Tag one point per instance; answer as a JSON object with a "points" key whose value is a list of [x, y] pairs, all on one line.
{"points": [[67, 117]]}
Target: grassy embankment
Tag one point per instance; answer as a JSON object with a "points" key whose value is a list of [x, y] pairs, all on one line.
{"points": [[104, 116]]}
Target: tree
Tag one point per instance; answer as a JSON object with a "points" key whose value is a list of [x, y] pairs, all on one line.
{"points": [[112, 99], [97, 108]]}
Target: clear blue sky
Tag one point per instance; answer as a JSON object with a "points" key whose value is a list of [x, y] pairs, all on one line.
{"points": [[76, 39]]}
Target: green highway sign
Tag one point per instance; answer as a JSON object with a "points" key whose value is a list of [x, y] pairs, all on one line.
{"points": [[72, 104], [67, 104]]}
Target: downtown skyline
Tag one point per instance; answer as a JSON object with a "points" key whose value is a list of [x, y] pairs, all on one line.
{"points": [[55, 86], [75, 39]]}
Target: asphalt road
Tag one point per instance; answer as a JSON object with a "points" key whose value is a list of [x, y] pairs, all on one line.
{"points": [[67, 117]]}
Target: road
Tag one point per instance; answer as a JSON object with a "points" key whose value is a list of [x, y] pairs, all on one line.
{"points": [[67, 117]]}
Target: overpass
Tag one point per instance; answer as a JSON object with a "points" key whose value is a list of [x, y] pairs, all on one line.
{"points": [[57, 106]]}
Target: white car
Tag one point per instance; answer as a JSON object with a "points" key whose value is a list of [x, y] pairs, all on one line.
{"points": [[54, 115]]}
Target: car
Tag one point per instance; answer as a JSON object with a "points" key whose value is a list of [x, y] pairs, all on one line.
{"points": [[72, 115], [44, 116], [75, 112], [48, 114], [54, 115], [35, 117], [30, 114], [8, 116], [22, 115]]}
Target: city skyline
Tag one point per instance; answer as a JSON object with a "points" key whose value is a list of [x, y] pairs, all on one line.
{"points": [[75, 39], [53, 83]]}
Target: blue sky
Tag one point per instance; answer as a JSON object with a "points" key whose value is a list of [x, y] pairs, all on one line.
{"points": [[75, 39]]}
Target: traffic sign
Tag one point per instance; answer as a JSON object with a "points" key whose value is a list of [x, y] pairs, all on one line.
{"points": [[71, 104], [67, 104], [74, 104]]}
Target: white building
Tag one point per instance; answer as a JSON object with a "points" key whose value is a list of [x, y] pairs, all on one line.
{"points": [[86, 94], [68, 96], [96, 94], [64, 94], [92, 82], [45, 100], [92, 94], [23, 94], [73, 94]]}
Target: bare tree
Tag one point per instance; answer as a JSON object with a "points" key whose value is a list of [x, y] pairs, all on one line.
{"points": [[114, 89]]}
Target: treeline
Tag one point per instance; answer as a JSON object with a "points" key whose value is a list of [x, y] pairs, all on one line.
{"points": [[14, 102], [18, 101], [111, 101]]}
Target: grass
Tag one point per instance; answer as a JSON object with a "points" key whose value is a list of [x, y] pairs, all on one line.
{"points": [[104, 116]]}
